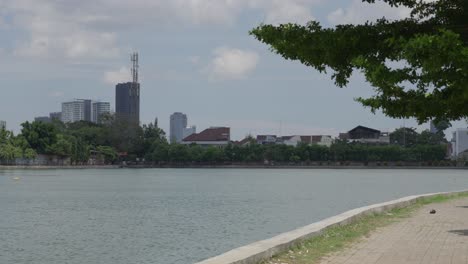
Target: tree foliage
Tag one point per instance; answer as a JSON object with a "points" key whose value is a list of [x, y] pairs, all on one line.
{"points": [[418, 65]]}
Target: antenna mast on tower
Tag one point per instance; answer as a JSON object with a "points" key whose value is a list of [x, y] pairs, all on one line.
{"points": [[135, 66]]}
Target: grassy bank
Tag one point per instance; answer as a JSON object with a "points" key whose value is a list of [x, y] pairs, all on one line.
{"points": [[337, 238]]}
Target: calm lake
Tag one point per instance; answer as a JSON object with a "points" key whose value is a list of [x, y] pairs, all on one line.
{"points": [[167, 216]]}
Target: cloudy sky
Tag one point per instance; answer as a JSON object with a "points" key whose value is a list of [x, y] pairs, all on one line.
{"points": [[196, 57]]}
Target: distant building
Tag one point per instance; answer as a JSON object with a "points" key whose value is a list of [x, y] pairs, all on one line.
{"points": [[178, 122], [366, 135], [309, 140], [214, 136], [266, 139], [73, 111], [43, 119], [127, 101], [82, 110], [99, 109], [245, 142], [189, 131], [459, 142], [2, 124], [55, 116], [127, 96]]}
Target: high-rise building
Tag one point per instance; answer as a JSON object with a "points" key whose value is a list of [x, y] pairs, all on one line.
{"points": [[82, 110], [73, 111], [127, 96], [2, 124], [127, 101], [87, 110], [178, 123], [98, 109], [55, 116]]}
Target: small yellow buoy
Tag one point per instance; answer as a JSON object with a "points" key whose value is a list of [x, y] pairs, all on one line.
{"points": [[16, 178]]}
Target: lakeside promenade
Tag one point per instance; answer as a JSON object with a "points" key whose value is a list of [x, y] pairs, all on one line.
{"points": [[422, 238]]}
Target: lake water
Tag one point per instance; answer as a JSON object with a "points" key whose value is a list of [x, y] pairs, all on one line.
{"points": [[164, 216]]}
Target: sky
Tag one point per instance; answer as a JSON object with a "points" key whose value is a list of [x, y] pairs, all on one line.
{"points": [[196, 57]]}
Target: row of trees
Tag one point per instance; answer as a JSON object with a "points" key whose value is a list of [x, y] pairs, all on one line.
{"points": [[255, 153], [80, 141], [119, 140]]}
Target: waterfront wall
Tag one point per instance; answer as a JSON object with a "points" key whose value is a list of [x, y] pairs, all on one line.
{"points": [[40, 160], [266, 249]]}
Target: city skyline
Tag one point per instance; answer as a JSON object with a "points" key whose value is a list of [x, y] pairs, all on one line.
{"points": [[196, 60]]}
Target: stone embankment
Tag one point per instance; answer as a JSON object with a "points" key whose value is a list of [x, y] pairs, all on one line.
{"points": [[266, 249]]}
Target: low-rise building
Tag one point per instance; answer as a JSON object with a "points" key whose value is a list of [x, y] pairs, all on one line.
{"points": [[214, 136], [459, 142], [322, 140], [367, 135], [267, 139]]}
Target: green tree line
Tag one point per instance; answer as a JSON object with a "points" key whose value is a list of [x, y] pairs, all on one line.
{"points": [[116, 140]]}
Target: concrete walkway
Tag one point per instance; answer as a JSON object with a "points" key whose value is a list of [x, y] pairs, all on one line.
{"points": [[424, 238]]}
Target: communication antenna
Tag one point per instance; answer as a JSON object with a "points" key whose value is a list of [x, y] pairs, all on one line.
{"points": [[135, 66]]}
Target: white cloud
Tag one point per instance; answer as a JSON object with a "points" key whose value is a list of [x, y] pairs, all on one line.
{"points": [[119, 76], [285, 11], [58, 32], [89, 29], [232, 64], [358, 12]]}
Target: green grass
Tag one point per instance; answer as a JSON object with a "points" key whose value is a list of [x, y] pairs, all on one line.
{"points": [[339, 237]]}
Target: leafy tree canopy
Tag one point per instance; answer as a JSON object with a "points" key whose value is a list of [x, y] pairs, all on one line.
{"points": [[418, 65]]}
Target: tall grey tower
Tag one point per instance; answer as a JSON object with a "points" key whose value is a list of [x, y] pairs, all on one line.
{"points": [[127, 96], [177, 126]]}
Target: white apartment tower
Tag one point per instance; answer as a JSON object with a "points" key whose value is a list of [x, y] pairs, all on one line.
{"points": [[83, 110], [73, 111]]}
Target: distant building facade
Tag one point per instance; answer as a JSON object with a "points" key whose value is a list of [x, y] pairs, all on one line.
{"points": [[367, 135], [189, 131], [266, 139], [214, 136], [73, 111], [459, 142], [82, 110], [44, 119], [321, 140], [178, 129], [2, 124], [55, 116], [98, 110], [127, 101]]}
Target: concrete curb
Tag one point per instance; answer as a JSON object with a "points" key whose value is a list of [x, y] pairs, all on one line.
{"points": [[265, 249]]}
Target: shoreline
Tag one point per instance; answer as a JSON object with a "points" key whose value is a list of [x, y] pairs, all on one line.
{"points": [[312, 167], [265, 250]]}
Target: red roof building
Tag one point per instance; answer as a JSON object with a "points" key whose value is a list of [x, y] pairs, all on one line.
{"points": [[214, 136]]}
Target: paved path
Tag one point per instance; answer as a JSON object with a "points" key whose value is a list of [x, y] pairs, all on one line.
{"points": [[424, 238]]}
